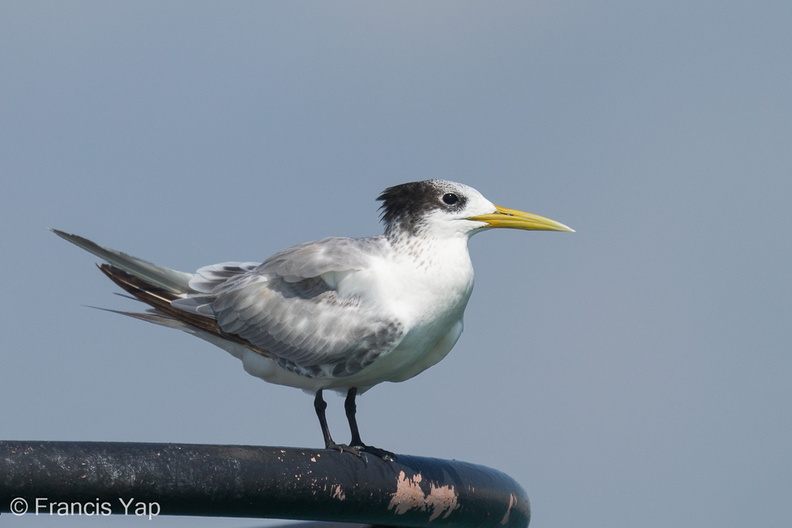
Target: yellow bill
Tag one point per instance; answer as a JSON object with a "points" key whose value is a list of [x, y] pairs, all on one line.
{"points": [[512, 218]]}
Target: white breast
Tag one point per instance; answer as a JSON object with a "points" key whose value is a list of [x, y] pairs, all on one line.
{"points": [[427, 289]]}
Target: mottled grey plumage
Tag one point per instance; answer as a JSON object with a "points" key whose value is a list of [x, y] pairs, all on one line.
{"points": [[281, 306]]}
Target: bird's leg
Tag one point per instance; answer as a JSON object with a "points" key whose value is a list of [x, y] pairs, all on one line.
{"points": [[351, 408], [320, 406]]}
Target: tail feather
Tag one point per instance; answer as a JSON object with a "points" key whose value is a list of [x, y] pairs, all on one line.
{"points": [[158, 298], [158, 287], [151, 316], [164, 313], [168, 279]]}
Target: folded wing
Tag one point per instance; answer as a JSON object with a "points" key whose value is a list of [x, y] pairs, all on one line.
{"points": [[289, 307]]}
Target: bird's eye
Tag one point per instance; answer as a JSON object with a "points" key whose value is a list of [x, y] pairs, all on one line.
{"points": [[450, 198]]}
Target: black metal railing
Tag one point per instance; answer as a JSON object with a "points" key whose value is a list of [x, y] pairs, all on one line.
{"points": [[145, 479]]}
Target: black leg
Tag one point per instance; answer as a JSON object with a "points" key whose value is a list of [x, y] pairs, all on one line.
{"points": [[320, 406], [351, 408]]}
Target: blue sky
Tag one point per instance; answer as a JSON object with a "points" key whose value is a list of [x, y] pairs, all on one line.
{"points": [[635, 373]]}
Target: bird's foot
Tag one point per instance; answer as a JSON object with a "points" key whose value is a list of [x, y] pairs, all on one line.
{"points": [[358, 451], [387, 456], [344, 448]]}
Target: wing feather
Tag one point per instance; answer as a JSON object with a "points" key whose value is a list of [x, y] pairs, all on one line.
{"points": [[290, 307], [327, 255]]}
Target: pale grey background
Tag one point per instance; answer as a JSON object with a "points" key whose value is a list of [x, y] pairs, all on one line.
{"points": [[636, 373]]}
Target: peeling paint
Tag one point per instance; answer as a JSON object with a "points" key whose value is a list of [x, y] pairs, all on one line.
{"points": [[338, 493], [512, 500], [441, 500]]}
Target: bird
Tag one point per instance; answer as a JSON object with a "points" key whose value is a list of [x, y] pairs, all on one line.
{"points": [[339, 313]]}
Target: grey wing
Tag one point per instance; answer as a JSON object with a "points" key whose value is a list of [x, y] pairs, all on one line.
{"points": [[289, 307], [328, 255]]}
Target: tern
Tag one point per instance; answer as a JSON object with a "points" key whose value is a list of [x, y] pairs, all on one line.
{"points": [[338, 313]]}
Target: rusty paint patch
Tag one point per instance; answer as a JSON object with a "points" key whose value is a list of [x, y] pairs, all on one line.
{"points": [[440, 501]]}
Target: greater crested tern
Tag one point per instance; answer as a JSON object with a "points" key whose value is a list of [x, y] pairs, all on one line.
{"points": [[338, 313]]}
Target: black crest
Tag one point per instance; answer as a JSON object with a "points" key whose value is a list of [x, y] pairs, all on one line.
{"points": [[405, 206]]}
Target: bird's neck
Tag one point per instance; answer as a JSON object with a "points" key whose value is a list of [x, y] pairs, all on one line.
{"points": [[432, 277], [432, 252]]}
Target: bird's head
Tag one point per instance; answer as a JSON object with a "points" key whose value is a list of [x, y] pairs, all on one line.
{"points": [[441, 208]]}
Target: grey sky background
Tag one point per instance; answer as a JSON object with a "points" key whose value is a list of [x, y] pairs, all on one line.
{"points": [[635, 373]]}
